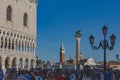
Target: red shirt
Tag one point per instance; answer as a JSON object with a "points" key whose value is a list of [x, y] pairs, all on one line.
{"points": [[58, 77]]}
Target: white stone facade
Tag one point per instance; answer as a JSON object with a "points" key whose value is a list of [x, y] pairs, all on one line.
{"points": [[18, 41], [90, 62]]}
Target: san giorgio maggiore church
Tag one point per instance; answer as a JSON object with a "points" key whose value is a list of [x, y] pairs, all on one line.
{"points": [[17, 34], [72, 61]]}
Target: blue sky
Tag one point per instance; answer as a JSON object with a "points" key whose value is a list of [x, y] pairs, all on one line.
{"points": [[57, 21]]}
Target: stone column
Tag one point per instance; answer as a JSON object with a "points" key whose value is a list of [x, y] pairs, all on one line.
{"points": [[78, 49], [10, 62], [3, 64], [17, 63], [23, 63], [78, 37], [17, 67], [34, 63], [34, 48], [29, 64]]}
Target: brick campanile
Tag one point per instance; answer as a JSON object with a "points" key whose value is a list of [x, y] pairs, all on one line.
{"points": [[62, 53]]}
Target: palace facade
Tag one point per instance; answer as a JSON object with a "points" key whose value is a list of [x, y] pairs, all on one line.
{"points": [[17, 34]]}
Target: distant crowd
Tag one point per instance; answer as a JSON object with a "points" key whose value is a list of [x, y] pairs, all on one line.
{"points": [[59, 74]]}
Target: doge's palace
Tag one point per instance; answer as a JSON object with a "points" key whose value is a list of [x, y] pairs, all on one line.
{"points": [[17, 34]]}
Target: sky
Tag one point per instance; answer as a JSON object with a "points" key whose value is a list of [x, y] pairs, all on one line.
{"points": [[58, 20]]}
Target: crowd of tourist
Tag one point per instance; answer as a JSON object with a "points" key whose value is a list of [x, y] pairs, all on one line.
{"points": [[59, 74]]}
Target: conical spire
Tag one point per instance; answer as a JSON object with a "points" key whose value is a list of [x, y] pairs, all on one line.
{"points": [[62, 45], [62, 48]]}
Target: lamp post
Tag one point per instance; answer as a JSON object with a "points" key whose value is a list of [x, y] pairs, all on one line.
{"points": [[117, 57], [104, 44]]}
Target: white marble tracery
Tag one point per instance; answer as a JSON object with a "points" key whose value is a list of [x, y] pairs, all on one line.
{"points": [[16, 46]]}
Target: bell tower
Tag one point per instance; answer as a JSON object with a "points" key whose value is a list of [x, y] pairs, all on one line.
{"points": [[62, 53]]}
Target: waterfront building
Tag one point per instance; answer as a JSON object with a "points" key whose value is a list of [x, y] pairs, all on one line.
{"points": [[17, 34]]}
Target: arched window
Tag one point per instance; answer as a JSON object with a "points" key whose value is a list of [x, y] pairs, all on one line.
{"points": [[25, 19], [9, 13]]}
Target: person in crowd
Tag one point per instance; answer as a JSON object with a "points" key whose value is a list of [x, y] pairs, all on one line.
{"points": [[67, 76], [21, 76], [27, 75], [58, 76], [11, 75], [1, 74], [80, 75], [32, 78], [51, 76], [117, 74], [73, 76], [109, 74]]}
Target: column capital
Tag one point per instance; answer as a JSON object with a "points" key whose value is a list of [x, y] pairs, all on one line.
{"points": [[78, 38]]}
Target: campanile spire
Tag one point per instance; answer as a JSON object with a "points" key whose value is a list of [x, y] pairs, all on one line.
{"points": [[62, 53]]}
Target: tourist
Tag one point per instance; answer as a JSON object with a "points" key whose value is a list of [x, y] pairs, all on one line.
{"points": [[58, 76], [27, 75], [21, 76], [109, 75], [73, 76]]}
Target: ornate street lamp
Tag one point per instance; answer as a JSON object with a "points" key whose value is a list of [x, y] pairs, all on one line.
{"points": [[91, 38], [104, 30], [104, 45], [117, 57]]}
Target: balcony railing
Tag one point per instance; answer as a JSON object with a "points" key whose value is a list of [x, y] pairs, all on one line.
{"points": [[14, 52]]}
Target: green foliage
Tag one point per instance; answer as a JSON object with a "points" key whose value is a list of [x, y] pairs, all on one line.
{"points": [[41, 63]]}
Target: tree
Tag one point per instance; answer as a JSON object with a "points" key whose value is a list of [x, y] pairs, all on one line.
{"points": [[38, 62], [48, 63]]}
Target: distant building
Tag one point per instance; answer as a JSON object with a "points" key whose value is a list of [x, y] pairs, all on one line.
{"points": [[66, 64], [90, 62], [111, 64]]}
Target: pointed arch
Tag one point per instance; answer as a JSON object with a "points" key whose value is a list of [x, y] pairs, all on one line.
{"points": [[7, 62], [25, 19], [9, 13], [14, 63]]}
